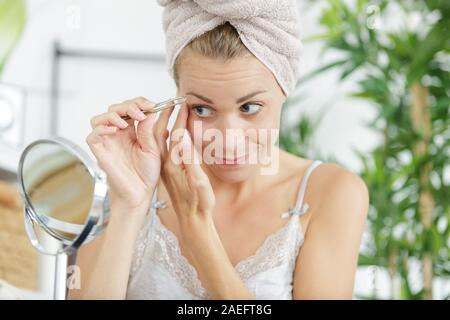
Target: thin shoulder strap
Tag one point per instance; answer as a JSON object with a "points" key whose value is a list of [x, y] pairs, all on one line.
{"points": [[156, 203], [152, 209], [304, 182]]}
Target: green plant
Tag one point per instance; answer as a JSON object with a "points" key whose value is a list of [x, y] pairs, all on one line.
{"points": [[12, 22], [404, 73]]}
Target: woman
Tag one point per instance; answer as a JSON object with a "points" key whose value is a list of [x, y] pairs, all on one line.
{"points": [[221, 229]]}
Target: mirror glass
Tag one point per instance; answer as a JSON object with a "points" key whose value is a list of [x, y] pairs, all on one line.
{"points": [[59, 190]]}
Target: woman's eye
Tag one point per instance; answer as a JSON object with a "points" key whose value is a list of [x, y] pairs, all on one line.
{"points": [[251, 108], [202, 111]]}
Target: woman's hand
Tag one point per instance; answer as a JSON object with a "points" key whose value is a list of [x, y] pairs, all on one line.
{"points": [[188, 186], [193, 200], [130, 156]]}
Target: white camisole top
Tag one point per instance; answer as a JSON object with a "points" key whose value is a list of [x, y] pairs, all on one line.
{"points": [[160, 271]]}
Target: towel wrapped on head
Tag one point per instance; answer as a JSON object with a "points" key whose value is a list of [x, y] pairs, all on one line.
{"points": [[268, 28]]}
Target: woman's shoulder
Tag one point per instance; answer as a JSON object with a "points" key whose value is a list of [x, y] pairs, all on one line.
{"points": [[339, 183], [329, 184]]}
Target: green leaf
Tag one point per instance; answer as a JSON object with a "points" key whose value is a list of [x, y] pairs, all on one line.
{"points": [[364, 260], [12, 22], [365, 297], [321, 36], [436, 40], [350, 68], [405, 290]]}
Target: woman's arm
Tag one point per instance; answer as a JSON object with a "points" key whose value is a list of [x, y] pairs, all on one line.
{"points": [[105, 263], [130, 156], [327, 261]]}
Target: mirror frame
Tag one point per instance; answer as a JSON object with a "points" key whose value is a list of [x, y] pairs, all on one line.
{"points": [[95, 221]]}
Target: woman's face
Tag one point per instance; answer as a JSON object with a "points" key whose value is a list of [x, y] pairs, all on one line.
{"points": [[234, 109]]}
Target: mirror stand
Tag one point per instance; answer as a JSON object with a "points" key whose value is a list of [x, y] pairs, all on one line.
{"points": [[59, 285], [66, 202]]}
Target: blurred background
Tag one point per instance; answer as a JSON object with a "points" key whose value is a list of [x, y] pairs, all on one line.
{"points": [[373, 97]]}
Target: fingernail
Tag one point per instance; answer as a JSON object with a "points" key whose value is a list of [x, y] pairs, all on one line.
{"points": [[124, 123], [141, 115], [187, 138]]}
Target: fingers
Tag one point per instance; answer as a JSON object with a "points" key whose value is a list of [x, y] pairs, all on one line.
{"points": [[133, 108], [182, 174], [105, 130], [178, 129], [172, 161], [160, 131], [109, 119], [96, 137], [144, 132], [198, 181], [176, 137], [191, 161], [182, 116]]}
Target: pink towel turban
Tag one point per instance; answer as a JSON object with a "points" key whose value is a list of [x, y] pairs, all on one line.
{"points": [[268, 28]]}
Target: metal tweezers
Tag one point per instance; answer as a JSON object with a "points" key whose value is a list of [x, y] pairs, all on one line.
{"points": [[162, 106]]}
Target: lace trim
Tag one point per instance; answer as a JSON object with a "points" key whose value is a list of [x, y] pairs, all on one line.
{"points": [[166, 250], [273, 252], [168, 253], [143, 237]]}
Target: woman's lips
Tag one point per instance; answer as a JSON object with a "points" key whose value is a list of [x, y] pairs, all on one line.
{"points": [[232, 161]]}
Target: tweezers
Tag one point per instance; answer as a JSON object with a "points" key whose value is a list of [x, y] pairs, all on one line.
{"points": [[162, 106]]}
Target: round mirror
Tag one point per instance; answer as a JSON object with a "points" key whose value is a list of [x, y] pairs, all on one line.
{"points": [[65, 196]]}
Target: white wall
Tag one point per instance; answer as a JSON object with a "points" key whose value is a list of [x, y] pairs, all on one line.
{"points": [[88, 87]]}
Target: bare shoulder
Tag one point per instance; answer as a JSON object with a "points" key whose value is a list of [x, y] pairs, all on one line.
{"points": [[338, 180], [331, 190], [329, 177], [339, 194]]}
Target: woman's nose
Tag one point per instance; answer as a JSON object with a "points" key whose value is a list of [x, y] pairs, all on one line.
{"points": [[232, 123], [233, 134]]}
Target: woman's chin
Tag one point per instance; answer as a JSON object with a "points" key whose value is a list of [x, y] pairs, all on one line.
{"points": [[231, 173]]}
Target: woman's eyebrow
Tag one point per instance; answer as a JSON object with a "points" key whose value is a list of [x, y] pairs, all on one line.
{"points": [[242, 99], [200, 97], [248, 96]]}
